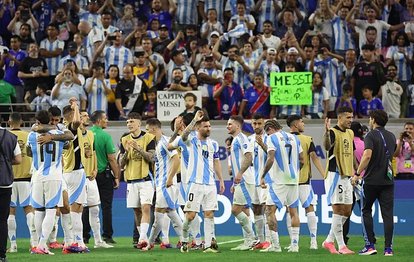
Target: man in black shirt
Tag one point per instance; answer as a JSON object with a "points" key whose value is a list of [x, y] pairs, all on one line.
{"points": [[378, 183]]}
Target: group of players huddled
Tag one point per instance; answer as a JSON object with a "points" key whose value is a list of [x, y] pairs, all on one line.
{"points": [[271, 169]]}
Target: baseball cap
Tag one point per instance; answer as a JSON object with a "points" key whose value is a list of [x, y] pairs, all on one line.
{"points": [[177, 52], [292, 50], [163, 26], [271, 50], [214, 33], [368, 47], [92, 1], [208, 56], [72, 46]]}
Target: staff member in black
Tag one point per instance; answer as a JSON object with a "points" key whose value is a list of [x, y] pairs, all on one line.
{"points": [[10, 154], [378, 184]]}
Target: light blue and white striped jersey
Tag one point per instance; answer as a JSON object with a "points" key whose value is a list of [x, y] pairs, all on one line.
{"points": [[290, 110], [266, 69], [162, 161], [187, 71], [202, 154], [267, 12], [159, 60], [185, 155], [285, 169], [331, 73], [317, 101], [259, 157], [97, 98], [81, 62], [215, 4], [239, 147], [249, 18], [120, 56], [231, 5], [94, 36], [47, 158], [187, 13], [52, 62], [250, 62], [93, 19], [342, 34], [238, 70], [207, 90], [110, 30], [404, 69], [41, 103]]}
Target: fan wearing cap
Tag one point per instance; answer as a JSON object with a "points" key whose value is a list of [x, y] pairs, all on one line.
{"points": [[144, 66], [178, 60], [80, 61], [211, 25], [163, 40], [267, 64], [91, 15], [292, 56]]}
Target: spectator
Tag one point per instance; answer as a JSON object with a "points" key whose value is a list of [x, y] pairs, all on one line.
{"points": [[405, 153], [178, 61], [150, 108], [7, 96], [348, 66], [369, 103], [93, 38], [346, 100], [144, 67], [287, 110], [74, 55], [44, 11], [242, 17], [228, 95], [61, 18], [97, 88], [107, 181], [159, 73], [164, 39], [33, 70], [12, 59], [211, 24], [127, 22], [257, 99], [10, 154], [25, 33], [322, 19], [268, 39], [177, 83], [391, 94], [192, 82], [190, 102], [106, 19], [205, 6], [186, 13], [288, 25], [130, 93], [320, 99], [42, 101], [165, 13], [113, 78], [342, 31], [267, 64], [410, 96], [7, 8], [23, 16], [65, 89], [91, 15]]}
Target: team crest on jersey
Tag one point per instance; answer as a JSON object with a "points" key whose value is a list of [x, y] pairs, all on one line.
{"points": [[245, 146]]}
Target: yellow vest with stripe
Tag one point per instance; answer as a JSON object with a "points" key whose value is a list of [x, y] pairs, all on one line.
{"points": [[86, 141], [137, 167], [305, 171], [344, 151], [22, 170]]}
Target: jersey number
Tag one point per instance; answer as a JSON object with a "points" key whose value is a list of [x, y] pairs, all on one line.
{"points": [[49, 148], [341, 190], [190, 197], [289, 151]]}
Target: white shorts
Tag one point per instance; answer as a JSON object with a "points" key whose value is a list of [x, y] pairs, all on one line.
{"points": [[243, 194], [338, 189], [306, 196], [139, 193], [259, 195], [92, 193], [76, 182], [201, 195], [166, 197], [283, 195], [20, 194], [181, 189], [46, 194]]}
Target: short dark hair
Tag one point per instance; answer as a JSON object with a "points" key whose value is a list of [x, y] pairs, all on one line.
{"points": [[55, 111], [18, 38], [345, 109], [15, 117], [238, 119], [154, 122], [204, 119], [257, 116], [67, 109], [367, 87], [409, 123], [268, 22], [273, 124], [96, 116], [189, 94], [292, 119], [371, 28], [43, 117], [357, 128], [228, 69], [152, 90], [380, 117], [187, 118], [134, 115]]}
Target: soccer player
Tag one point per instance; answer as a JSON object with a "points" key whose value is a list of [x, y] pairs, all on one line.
{"points": [[258, 142], [283, 155], [243, 187], [21, 186], [306, 196], [202, 190], [139, 149], [166, 166], [339, 142], [46, 181]]}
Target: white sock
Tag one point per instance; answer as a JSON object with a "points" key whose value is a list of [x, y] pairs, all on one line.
{"points": [[295, 236], [157, 226], [77, 228], [344, 218], [337, 230], [38, 220], [177, 223], [166, 230], [95, 223], [47, 226], [55, 230], [186, 226], [67, 229], [259, 226], [195, 230], [267, 230], [312, 224], [289, 225], [246, 225], [34, 238], [144, 232], [331, 236], [208, 231], [139, 229], [11, 225], [274, 238]]}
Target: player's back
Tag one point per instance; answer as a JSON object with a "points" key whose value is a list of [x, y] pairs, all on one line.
{"points": [[239, 147], [163, 161], [286, 167], [47, 158], [22, 170], [259, 156]]}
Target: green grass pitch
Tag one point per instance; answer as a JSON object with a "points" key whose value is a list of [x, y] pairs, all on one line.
{"points": [[123, 251]]}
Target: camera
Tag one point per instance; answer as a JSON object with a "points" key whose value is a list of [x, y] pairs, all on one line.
{"points": [[112, 37], [24, 14], [138, 54], [405, 134]]}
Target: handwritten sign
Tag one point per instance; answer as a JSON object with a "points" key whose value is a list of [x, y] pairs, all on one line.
{"points": [[171, 103], [291, 88]]}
